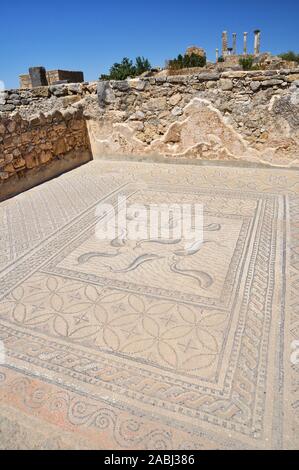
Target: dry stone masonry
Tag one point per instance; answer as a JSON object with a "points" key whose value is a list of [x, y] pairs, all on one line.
{"points": [[33, 150], [240, 116], [39, 76], [211, 115]]}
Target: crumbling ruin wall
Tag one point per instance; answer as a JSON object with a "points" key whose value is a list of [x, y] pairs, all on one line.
{"points": [[28, 102], [233, 116], [230, 116], [34, 150]]}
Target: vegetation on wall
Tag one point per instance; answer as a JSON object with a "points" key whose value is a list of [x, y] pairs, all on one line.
{"points": [[221, 59], [290, 56], [187, 61], [126, 68], [246, 62]]}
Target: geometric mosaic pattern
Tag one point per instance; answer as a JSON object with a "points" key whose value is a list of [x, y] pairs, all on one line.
{"points": [[176, 352]]}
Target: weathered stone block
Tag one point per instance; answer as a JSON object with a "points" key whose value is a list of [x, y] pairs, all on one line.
{"points": [[225, 84], [175, 99], [7, 107], [31, 160], [138, 116], [137, 84], [11, 126], [234, 74], [59, 147], [38, 76], [208, 76], [105, 94], [41, 92], [156, 104], [58, 90], [255, 85], [45, 156], [18, 162], [121, 85], [75, 88], [293, 77], [14, 96], [25, 137], [8, 158], [177, 111], [272, 82], [176, 79]]}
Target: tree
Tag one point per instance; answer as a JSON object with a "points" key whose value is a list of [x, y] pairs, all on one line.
{"points": [[187, 61], [290, 56], [126, 69], [141, 65]]}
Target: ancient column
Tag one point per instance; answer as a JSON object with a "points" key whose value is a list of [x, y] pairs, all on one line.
{"points": [[245, 43], [234, 43], [257, 40], [217, 54], [224, 43]]}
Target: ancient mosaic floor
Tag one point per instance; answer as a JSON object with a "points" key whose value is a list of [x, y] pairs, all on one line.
{"points": [[148, 357]]}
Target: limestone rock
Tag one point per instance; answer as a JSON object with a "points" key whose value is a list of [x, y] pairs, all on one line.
{"points": [[19, 162], [7, 107], [138, 116], [293, 77], [271, 82], [138, 84], [226, 84], [105, 93], [121, 85], [58, 90], [59, 146], [45, 156], [234, 74], [206, 76], [175, 99], [41, 91], [177, 111], [71, 99], [75, 88], [156, 104], [255, 85], [31, 160]]}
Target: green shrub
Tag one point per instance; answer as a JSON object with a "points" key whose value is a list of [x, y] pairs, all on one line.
{"points": [[141, 65], [290, 56], [220, 59], [187, 61], [127, 69], [246, 62]]}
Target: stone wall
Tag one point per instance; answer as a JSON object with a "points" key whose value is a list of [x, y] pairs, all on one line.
{"points": [[43, 99], [54, 76], [237, 116], [231, 116], [25, 81], [34, 150]]}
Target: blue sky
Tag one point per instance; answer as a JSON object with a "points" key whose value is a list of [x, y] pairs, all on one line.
{"points": [[91, 35]]}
